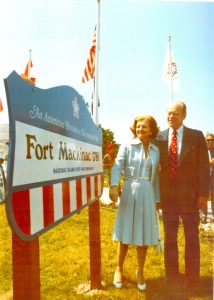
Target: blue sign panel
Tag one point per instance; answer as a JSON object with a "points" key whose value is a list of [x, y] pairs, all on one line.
{"points": [[55, 156]]}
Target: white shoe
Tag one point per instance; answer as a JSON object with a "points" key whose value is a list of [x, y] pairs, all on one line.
{"points": [[118, 285], [141, 286], [118, 280]]}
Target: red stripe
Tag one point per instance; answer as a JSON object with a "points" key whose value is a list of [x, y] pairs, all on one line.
{"points": [[48, 205], [88, 188], [66, 198], [79, 193], [21, 210], [96, 186], [86, 75], [89, 67]]}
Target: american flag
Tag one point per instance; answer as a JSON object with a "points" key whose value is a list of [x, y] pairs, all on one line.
{"points": [[26, 74], [90, 65], [28, 67]]}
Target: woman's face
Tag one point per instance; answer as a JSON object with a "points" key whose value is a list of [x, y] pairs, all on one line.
{"points": [[143, 130]]}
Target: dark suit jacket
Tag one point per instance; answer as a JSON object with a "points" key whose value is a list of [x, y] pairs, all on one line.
{"points": [[192, 178]]}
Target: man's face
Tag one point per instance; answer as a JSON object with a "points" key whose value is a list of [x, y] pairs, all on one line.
{"points": [[210, 141], [175, 116]]}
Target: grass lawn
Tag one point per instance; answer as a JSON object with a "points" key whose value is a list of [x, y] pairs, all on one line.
{"points": [[65, 264]]}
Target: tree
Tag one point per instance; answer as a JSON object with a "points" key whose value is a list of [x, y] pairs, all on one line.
{"points": [[108, 138]]}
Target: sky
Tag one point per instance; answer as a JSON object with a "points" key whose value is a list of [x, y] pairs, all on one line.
{"points": [[133, 42]]}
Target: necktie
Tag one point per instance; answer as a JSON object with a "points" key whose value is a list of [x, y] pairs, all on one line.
{"points": [[173, 155]]}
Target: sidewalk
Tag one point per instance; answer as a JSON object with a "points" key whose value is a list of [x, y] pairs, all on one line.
{"points": [[209, 218]]}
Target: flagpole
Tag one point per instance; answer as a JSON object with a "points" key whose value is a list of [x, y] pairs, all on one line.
{"points": [[171, 79], [96, 89]]}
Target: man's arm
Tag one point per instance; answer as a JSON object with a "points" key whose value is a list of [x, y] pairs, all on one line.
{"points": [[203, 171]]}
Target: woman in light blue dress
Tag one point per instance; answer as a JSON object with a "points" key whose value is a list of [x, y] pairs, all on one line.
{"points": [[136, 223]]}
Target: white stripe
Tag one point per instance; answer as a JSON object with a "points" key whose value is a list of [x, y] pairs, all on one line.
{"points": [[84, 191], [36, 210], [57, 198], [92, 188], [99, 185], [73, 195]]}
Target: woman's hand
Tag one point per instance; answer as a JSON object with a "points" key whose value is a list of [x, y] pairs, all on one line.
{"points": [[113, 193]]}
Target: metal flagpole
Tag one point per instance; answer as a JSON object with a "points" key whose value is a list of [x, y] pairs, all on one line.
{"points": [[94, 208], [96, 89], [170, 67]]}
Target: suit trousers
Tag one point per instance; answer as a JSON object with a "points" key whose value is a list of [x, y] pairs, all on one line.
{"points": [[190, 222]]}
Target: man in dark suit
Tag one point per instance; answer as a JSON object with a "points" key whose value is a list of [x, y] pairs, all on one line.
{"points": [[184, 188]]}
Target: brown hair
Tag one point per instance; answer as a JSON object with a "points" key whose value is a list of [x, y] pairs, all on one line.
{"points": [[209, 135], [152, 124]]}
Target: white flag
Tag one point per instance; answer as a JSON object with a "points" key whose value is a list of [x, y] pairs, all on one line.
{"points": [[170, 71]]}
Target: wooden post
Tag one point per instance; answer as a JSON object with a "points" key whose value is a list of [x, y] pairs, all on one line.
{"points": [[95, 245], [26, 271]]}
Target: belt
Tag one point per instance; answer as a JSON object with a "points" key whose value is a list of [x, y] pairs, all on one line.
{"points": [[138, 178]]}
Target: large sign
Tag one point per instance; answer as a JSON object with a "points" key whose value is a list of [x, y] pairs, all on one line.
{"points": [[55, 156]]}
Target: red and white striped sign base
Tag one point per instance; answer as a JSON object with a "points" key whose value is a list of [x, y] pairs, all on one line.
{"points": [[36, 210]]}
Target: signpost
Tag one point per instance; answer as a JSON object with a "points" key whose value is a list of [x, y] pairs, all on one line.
{"points": [[55, 164]]}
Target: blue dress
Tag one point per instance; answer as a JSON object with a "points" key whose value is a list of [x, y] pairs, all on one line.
{"points": [[136, 221]]}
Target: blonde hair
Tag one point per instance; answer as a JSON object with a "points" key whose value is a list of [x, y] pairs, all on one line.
{"points": [[152, 124]]}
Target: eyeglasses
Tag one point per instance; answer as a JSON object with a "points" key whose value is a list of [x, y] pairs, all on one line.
{"points": [[209, 140]]}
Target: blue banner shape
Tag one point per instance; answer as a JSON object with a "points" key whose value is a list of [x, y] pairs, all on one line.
{"points": [[53, 140]]}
